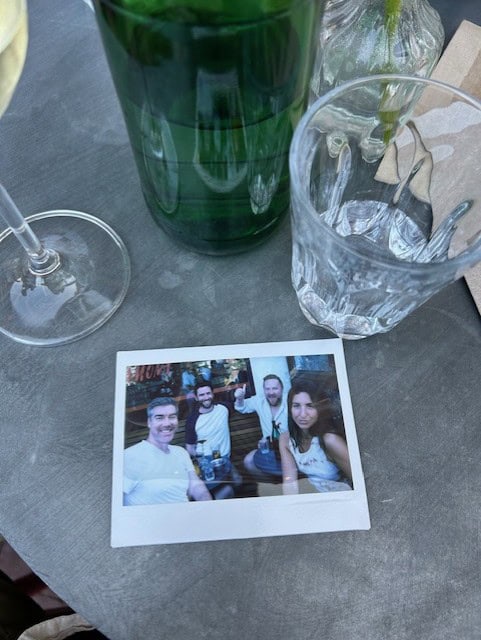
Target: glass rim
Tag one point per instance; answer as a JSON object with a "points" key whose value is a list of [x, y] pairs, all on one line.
{"points": [[147, 17], [464, 259]]}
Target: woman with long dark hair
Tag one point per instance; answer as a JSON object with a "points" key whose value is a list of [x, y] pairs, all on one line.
{"points": [[313, 445]]}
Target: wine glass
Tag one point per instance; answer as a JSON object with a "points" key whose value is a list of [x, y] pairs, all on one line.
{"points": [[199, 452], [73, 271]]}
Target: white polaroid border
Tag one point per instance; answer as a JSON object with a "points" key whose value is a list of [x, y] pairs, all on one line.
{"points": [[236, 517]]}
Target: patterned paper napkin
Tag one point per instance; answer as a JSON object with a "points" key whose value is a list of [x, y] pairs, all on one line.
{"points": [[460, 66]]}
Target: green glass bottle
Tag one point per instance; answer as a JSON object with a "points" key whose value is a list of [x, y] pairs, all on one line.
{"points": [[211, 91]]}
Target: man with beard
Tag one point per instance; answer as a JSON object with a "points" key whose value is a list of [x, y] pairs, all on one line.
{"points": [[209, 421], [272, 411]]}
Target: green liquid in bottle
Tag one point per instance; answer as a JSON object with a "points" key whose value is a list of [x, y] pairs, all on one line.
{"points": [[210, 99]]}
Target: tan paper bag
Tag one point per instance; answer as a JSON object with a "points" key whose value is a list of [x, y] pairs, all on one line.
{"points": [[460, 66]]}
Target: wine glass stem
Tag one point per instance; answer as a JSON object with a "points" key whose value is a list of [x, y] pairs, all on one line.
{"points": [[41, 261]]}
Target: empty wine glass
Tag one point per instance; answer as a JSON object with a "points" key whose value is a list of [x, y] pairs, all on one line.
{"points": [[199, 451], [62, 273]]}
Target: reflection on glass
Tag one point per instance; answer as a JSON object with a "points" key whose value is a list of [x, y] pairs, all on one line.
{"points": [[160, 158], [220, 144]]}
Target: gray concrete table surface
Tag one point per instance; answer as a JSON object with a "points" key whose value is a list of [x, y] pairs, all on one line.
{"points": [[415, 394]]}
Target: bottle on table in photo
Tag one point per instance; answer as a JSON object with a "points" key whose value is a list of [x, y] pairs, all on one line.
{"points": [[195, 462], [275, 431], [365, 37], [275, 436], [199, 449]]}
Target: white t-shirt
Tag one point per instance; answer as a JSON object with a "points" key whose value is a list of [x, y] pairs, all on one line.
{"points": [[152, 476], [214, 428], [261, 406], [323, 474]]}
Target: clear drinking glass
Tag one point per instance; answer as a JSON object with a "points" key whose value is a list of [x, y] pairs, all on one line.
{"points": [[363, 37], [264, 445], [386, 206], [62, 273]]}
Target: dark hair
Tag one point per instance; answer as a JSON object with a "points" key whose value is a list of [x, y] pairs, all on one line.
{"points": [[272, 376], [161, 402], [203, 383], [322, 402]]}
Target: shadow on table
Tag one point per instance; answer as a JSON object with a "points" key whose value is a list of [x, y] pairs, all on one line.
{"points": [[26, 601]]}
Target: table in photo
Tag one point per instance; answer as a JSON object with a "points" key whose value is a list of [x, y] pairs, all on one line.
{"points": [[268, 462], [222, 486], [410, 389]]}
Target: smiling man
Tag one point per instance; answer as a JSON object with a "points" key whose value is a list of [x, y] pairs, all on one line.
{"points": [[156, 471], [271, 407], [209, 421]]}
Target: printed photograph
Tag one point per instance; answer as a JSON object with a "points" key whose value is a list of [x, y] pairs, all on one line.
{"points": [[234, 428]]}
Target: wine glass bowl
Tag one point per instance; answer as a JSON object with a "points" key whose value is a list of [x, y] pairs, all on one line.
{"points": [[70, 298], [74, 270]]}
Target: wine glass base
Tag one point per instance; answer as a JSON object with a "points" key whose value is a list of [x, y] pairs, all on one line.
{"points": [[76, 298]]}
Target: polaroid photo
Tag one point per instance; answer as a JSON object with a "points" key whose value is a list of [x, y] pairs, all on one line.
{"points": [[234, 441]]}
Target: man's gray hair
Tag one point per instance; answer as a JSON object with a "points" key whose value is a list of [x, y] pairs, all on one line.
{"points": [[161, 402]]}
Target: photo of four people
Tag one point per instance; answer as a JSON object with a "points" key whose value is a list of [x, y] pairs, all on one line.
{"points": [[234, 428]]}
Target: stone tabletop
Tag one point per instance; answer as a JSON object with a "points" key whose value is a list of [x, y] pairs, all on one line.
{"points": [[415, 394]]}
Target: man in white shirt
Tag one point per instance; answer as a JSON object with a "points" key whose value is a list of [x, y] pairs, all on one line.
{"points": [[209, 422], [156, 471], [271, 407]]}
